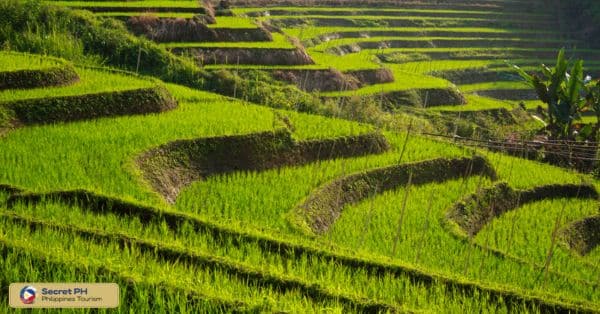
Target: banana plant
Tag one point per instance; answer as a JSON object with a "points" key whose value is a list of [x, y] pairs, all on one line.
{"points": [[563, 91], [593, 103]]}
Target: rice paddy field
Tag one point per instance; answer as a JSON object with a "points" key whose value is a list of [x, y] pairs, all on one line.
{"points": [[193, 202]]}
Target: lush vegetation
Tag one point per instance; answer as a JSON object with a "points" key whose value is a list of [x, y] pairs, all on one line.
{"points": [[78, 199], [567, 94]]}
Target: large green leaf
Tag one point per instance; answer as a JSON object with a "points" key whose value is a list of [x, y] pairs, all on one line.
{"points": [[541, 89], [562, 112], [558, 76], [528, 78], [546, 71], [575, 83]]}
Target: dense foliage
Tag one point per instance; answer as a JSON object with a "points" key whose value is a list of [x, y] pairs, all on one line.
{"points": [[567, 94], [32, 26]]}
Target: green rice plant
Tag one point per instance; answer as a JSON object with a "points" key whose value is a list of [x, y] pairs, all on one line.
{"points": [[478, 103], [234, 22], [378, 11], [239, 220], [138, 296], [16, 62], [313, 32], [129, 4], [377, 236], [532, 227], [323, 271], [262, 206], [157, 14], [493, 85], [91, 81], [146, 268], [105, 149]]}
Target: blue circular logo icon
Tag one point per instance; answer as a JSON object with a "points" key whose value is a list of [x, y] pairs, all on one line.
{"points": [[28, 295]]}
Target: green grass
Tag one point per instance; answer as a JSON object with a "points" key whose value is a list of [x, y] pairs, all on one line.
{"points": [[15, 267], [128, 4], [157, 14], [144, 267], [527, 233], [243, 206], [372, 226], [234, 22], [494, 85], [409, 76], [348, 41], [262, 206], [17, 61], [304, 33], [589, 119], [366, 18], [329, 275], [99, 154], [247, 10], [35, 158], [91, 81], [478, 103]]}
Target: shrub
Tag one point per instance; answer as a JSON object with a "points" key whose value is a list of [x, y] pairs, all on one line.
{"points": [[567, 95], [54, 76]]}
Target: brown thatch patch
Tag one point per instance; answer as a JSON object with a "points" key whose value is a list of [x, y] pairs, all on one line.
{"points": [[170, 29], [476, 75], [145, 9], [331, 80], [317, 80], [191, 30], [427, 97], [372, 76], [256, 56]]}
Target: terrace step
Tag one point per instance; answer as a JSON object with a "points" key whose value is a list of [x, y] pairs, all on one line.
{"points": [[407, 22], [456, 33], [289, 250], [525, 6], [441, 43], [87, 99], [396, 13], [256, 56]]}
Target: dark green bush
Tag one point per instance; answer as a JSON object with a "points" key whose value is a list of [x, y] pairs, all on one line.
{"points": [[91, 106], [54, 76]]}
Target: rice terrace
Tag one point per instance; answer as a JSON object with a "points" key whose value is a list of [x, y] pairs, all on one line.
{"points": [[300, 156]]}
